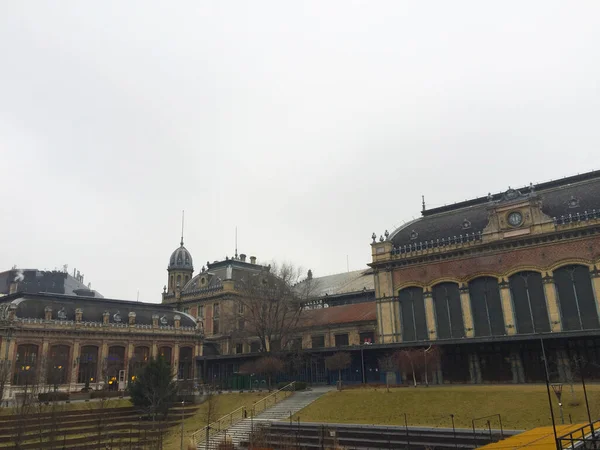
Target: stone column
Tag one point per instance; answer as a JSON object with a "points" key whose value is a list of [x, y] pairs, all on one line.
{"points": [[516, 366], [43, 361], [102, 355], [430, 314], [154, 349], [595, 275], [465, 303], [475, 368], [74, 365], [507, 307], [128, 357], [552, 302], [176, 359]]}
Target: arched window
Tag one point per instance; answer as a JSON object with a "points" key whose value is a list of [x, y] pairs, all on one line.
{"points": [[26, 364], [527, 291], [166, 353], [486, 307], [412, 314], [88, 364], [178, 280], [141, 356], [114, 363], [576, 297], [171, 287], [186, 364], [448, 311], [58, 365]]}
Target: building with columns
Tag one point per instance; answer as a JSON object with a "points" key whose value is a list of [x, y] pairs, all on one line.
{"points": [[74, 342], [485, 279]]}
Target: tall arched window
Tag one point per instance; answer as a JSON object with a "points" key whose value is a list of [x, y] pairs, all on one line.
{"points": [[114, 363], [448, 311], [58, 365], [576, 297], [529, 302], [486, 306], [141, 356], [412, 314], [186, 364], [26, 364], [88, 364], [165, 352]]}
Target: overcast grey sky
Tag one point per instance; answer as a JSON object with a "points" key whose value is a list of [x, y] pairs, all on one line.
{"points": [[308, 124]]}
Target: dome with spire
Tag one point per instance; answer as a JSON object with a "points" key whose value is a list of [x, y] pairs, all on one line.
{"points": [[181, 259]]}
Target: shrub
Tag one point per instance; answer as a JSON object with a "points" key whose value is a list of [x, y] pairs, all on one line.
{"points": [[298, 386], [104, 394], [53, 396]]}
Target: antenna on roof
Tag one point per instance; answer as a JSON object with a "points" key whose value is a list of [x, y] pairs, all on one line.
{"points": [[182, 221], [423, 201], [138, 295], [236, 255], [347, 264]]}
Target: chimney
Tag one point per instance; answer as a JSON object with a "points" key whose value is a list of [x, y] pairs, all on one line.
{"points": [[309, 275], [253, 260], [242, 257], [131, 318], [14, 287], [48, 312], [177, 321], [78, 314], [154, 320]]}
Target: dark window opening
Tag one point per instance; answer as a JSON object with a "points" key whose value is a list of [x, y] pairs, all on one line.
{"points": [[576, 298], [486, 307], [412, 313], [448, 311], [341, 340], [318, 341], [529, 302]]}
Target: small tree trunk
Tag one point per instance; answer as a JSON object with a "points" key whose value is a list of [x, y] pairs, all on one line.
{"points": [[340, 380], [413, 374]]}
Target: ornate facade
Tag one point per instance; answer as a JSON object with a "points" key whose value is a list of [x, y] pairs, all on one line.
{"points": [[76, 342], [486, 279]]}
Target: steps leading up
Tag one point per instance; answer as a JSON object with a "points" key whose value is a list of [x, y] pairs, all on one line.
{"points": [[278, 412]]}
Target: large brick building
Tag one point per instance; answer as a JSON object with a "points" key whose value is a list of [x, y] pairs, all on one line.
{"points": [[487, 278]]}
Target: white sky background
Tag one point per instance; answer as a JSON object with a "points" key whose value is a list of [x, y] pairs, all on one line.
{"points": [[309, 125]]}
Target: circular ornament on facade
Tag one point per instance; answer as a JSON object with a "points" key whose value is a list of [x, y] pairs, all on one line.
{"points": [[515, 219]]}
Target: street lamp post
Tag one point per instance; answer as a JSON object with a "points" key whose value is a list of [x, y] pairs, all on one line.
{"points": [[548, 391], [182, 410]]}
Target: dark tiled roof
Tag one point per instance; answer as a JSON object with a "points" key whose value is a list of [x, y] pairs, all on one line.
{"points": [[32, 306], [181, 258], [570, 195], [358, 312], [51, 281]]}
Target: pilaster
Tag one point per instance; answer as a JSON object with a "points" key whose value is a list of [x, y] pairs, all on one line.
{"points": [[74, 364], [430, 314], [552, 302], [154, 350], [44, 360], [595, 275], [176, 359], [507, 307], [465, 303]]}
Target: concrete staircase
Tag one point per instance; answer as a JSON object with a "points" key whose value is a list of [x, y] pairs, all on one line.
{"points": [[280, 411]]}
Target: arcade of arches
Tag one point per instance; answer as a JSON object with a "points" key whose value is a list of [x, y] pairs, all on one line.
{"points": [[554, 304]]}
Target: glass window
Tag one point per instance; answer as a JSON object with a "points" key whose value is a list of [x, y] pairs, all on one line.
{"points": [[341, 340]]}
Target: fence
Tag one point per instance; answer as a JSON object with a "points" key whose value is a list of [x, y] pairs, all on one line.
{"points": [[585, 437]]}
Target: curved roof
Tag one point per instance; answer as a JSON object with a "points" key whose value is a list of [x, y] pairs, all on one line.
{"points": [[32, 306], [571, 195], [181, 259], [215, 273]]}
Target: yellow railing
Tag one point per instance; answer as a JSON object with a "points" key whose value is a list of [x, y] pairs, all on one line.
{"points": [[204, 435]]}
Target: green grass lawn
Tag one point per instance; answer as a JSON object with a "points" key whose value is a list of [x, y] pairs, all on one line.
{"points": [[521, 406]]}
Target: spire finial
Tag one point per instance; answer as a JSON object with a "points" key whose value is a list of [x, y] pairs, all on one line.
{"points": [[423, 202], [182, 222], [236, 254]]}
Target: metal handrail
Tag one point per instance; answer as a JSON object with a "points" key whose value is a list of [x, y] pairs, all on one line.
{"points": [[228, 420], [588, 434]]}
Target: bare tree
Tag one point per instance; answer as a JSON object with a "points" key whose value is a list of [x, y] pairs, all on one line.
{"points": [[269, 305], [338, 361], [409, 360], [268, 366], [387, 364]]}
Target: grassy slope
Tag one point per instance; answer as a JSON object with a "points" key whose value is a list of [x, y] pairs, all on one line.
{"points": [[224, 405], [521, 407]]}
